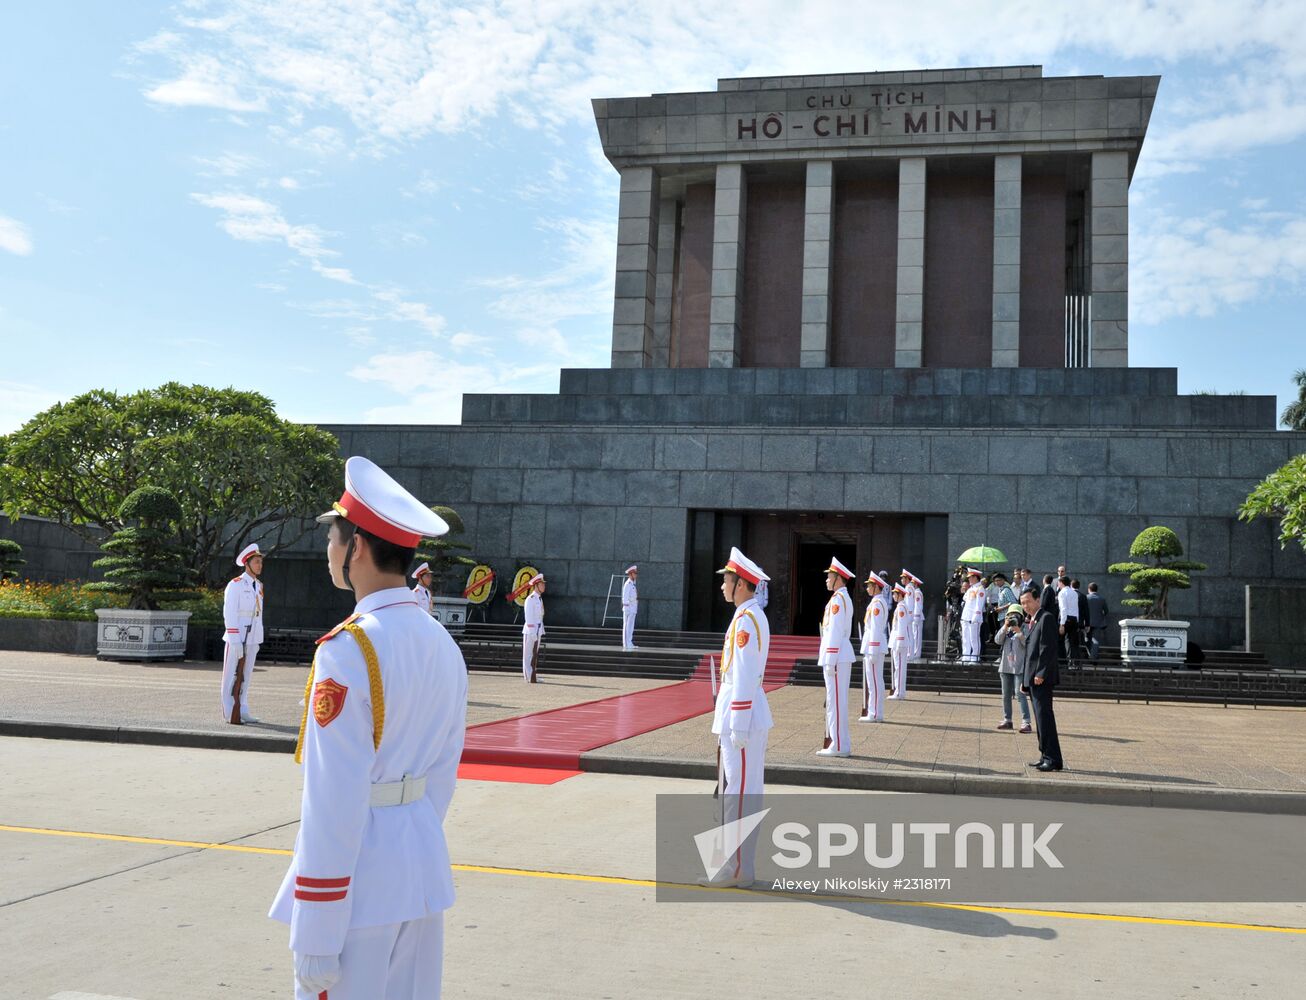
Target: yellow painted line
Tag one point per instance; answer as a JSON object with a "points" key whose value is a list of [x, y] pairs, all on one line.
{"points": [[1118, 918]]}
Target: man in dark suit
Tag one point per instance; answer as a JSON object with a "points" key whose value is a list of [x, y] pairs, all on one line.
{"points": [[1041, 677], [1047, 597], [1098, 617]]}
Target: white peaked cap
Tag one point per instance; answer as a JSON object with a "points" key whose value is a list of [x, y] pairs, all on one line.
{"points": [[251, 549], [875, 577], [632, 569], [377, 504], [972, 571], [741, 565], [537, 578], [913, 576], [420, 570], [837, 567]]}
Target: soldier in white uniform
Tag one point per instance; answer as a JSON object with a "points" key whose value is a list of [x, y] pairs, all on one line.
{"points": [[899, 639], [836, 659], [422, 592], [385, 712], [972, 616], [743, 717], [914, 589], [629, 607], [875, 637], [532, 630], [242, 615]]}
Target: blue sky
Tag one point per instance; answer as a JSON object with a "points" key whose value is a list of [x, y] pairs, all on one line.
{"points": [[365, 208]]}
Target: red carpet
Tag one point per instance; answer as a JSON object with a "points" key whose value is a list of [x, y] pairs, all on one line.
{"points": [[520, 775], [556, 738]]}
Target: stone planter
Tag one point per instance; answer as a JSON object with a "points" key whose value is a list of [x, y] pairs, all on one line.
{"points": [[140, 635], [1152, 642], [451, 612]]}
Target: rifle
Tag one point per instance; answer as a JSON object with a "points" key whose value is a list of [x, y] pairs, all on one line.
{"points": [[711, 673], [535, 660], [239, 681]]}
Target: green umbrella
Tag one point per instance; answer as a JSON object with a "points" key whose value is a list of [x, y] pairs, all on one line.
{"points": [[982, 554]]}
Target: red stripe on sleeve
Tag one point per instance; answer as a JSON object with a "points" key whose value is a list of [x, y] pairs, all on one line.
{"points": [[321, 897], [322, 883]]}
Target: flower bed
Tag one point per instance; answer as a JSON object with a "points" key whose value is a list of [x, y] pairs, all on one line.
{"points": [[71, 601]]}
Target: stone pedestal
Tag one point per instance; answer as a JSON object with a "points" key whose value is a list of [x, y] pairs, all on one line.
{"points": [[140, 635]]}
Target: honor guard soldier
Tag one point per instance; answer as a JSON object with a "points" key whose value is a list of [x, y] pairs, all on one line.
{"points": [[385, 712], [629, 607], [972, 616], [836, 659], [743, 717], [532, 630], [422, 592], [899, 639], [916, 606], [875, 636], [242, 615]]}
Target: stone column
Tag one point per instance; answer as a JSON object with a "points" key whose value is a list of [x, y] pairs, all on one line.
{"points": [[632, 312], [908, 340], [817, 237], [1109, 255], [1006, 260], [723, 343], [665, 282]]}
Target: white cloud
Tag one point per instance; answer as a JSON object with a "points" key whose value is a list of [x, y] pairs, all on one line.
{"points": [[1195, 267], [15, 237], [205, 82], [288, 184], [227, 164]]}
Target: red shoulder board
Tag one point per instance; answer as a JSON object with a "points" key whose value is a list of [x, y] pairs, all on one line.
{"points": [[235, 579], [337, 630]]}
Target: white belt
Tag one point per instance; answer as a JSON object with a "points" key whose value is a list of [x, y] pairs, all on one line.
{"points": [[398, 793]]}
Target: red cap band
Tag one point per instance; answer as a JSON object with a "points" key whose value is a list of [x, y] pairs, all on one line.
{"points": [[738, 570], [359, 514]]}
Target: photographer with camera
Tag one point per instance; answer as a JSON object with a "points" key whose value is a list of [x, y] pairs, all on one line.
{"points": [[952, 594], [1011, 664]]}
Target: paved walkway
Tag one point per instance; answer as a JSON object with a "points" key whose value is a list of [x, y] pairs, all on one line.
{"points": [[925, 740]]}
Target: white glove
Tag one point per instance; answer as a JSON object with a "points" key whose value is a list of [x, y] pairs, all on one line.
{"points": [[738, 740], [317, 972]]}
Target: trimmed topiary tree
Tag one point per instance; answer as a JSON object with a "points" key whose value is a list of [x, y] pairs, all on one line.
{"points": [[11, 557], [444, 553], [146, 561], [1152, 583]]}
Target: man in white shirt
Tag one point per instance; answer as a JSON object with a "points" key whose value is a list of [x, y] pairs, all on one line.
{"points": [[532, 630], [629, 607], [1068, 618], [972, 616], [242, 617], [422, 592], [836, 660], [875, 639]]}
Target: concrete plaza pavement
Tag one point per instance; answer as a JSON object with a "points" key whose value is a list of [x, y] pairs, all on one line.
{"points": [[1201, 754], [84, 917]]}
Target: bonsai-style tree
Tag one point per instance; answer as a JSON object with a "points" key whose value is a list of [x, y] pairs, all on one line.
{"points": [[11, 557], [1281, 494], [145, 561], [444, 553], [1152, 583]]}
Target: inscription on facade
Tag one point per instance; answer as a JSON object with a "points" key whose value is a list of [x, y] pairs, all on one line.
{"points": [[865, 122]]}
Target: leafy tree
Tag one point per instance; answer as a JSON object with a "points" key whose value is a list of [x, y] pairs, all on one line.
{"points": [[1294, 414], [238, 471], [1153, 583], [444, 553], [1281, 494], [11, 557], [145, 561]]}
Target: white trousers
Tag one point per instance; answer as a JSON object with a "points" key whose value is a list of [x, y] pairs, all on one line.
{"points": [[628, 628], [899, 652], [970, 642], [917, 637], [392, 962], [230, 657], [837, 677], [873, 683], [744, 779], [529, 641]]}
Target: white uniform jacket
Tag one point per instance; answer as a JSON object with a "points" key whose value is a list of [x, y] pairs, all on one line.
{"points": [[242, 608], [533, 621], [629, 596], [741, 704], [918, 603], [901, 629], [358, 865], [972, 607], [423, 598], [875, 625], [836, 630]]}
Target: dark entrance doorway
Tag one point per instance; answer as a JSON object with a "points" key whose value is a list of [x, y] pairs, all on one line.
{"points": [[812, 554]]}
